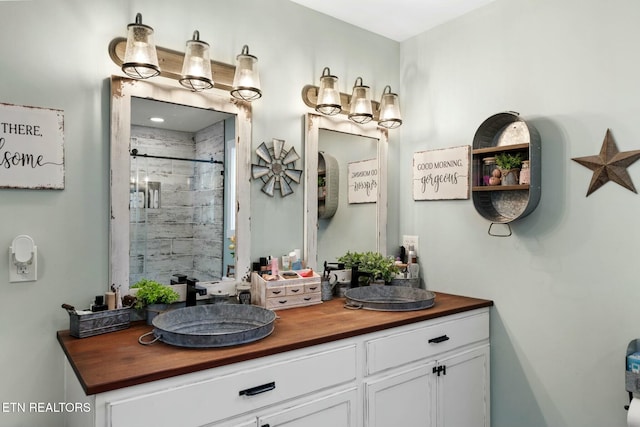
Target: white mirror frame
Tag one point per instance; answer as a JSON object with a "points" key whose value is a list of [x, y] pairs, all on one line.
{"points": [[122, 89], [313, 124]]}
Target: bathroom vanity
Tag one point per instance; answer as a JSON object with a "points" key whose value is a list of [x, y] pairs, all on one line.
{"points": [[322, 365]]}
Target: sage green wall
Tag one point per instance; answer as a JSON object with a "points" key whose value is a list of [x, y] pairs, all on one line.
{"points": [[54, 54], [565, 285]]}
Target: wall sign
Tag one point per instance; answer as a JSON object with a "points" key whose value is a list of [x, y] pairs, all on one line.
{"points": [[31, 147], [441, 174], [362, 179]]}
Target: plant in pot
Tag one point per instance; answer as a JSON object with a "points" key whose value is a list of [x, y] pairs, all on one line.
{"points": [[153, 296], [509, 165], [375, 266], [322, 182]]}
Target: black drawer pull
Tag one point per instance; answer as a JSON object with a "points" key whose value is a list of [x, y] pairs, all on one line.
{"points": [[441, 338], [275, 292], [257, 390], [295, 290]]}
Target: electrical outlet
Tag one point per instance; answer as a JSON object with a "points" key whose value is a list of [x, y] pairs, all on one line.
{"points": [[22, 272], [408, 241]]}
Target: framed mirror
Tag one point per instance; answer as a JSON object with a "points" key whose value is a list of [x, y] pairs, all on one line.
{"points": [[371, 145], [133, 186]]}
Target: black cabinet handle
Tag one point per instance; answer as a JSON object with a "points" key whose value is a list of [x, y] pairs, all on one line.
{"points": [[436, 340], [257, 390]]}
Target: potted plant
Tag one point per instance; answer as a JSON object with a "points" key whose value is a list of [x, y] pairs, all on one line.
{"points": [[153, 296], [322, 182], [376, 266], [509, 165]]}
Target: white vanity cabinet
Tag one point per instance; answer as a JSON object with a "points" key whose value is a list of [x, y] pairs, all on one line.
{"points": [[432, 372], [430, 375], [256, 388], [338, 409]]}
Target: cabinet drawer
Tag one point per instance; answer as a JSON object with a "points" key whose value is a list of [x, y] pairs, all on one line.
{"points": [[289, 301], [294, 289], [237, 392], [275, 291], [311, 288], [426, 342]]}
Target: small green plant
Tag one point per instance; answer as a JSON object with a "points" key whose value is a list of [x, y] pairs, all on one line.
{"points": [[380, 267], [321, 181], [508, 161], [152, 292]]}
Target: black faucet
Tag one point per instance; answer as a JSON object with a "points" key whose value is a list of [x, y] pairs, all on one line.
{"points": [[193, 289]]}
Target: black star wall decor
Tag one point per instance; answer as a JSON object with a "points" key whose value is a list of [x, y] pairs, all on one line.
{"points": [[609, 165]]}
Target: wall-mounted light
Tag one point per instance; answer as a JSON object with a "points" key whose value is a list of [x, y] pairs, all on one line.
{"points": [[328, 95], [390, 117], [196, 67], [328, 100], [140, 58], [246, 81], [360, 110]]}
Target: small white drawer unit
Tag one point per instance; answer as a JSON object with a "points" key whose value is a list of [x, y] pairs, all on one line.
{"points": [[285, 292]]}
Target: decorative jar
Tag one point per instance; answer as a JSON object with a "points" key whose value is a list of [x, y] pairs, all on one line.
{"points": [[525, 173]]}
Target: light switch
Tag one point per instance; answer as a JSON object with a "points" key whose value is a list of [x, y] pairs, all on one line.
{"points": [[23, 260], [408, 241]]}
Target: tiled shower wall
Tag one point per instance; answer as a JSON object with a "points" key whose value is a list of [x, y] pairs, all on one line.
{"points": [[184, 234]]}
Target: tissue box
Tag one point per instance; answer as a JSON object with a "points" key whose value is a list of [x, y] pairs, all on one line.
{"points": [[101, 322], [633, 362]]}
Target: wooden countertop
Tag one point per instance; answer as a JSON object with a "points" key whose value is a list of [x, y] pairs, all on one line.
{"points": [[116, 360]]}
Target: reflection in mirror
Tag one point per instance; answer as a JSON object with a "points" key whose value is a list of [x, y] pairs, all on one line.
{"points": [[354, 226], [179, 202], [165, 173], [350, 218]]}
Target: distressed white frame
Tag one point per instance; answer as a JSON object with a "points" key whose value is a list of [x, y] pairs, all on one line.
{"points": [[122, 89]]}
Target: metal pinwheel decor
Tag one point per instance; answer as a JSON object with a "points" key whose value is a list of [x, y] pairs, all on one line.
{"points": [[276, 168]]}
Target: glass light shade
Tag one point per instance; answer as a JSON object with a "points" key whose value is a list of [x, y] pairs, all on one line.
{"points": [[140, 57], [390, 117], [360, 110], [196, 68], [246, 81], [328, 95]]}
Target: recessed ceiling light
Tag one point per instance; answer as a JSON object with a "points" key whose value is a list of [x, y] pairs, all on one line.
{"points": [[157, 119]]}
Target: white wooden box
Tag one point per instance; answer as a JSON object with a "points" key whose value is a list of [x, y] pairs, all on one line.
{"points": [[285, 293]]}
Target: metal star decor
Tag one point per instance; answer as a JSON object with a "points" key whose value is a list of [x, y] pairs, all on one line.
{"points": [[609, 165], [276, 168]]}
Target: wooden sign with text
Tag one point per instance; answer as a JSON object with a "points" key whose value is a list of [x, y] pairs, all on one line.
{"points": [[363, 181], [441, 174], [31, 147]]}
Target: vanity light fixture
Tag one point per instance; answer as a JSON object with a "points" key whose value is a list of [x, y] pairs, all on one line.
{"points": [[328, 95], [140, 59], [390, 117], [360, 110], [358, 106], [196, 68], [246, 81]]}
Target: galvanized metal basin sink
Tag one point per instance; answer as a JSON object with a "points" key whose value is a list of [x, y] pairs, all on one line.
{"points": [[389, 298], [212, 325]]}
